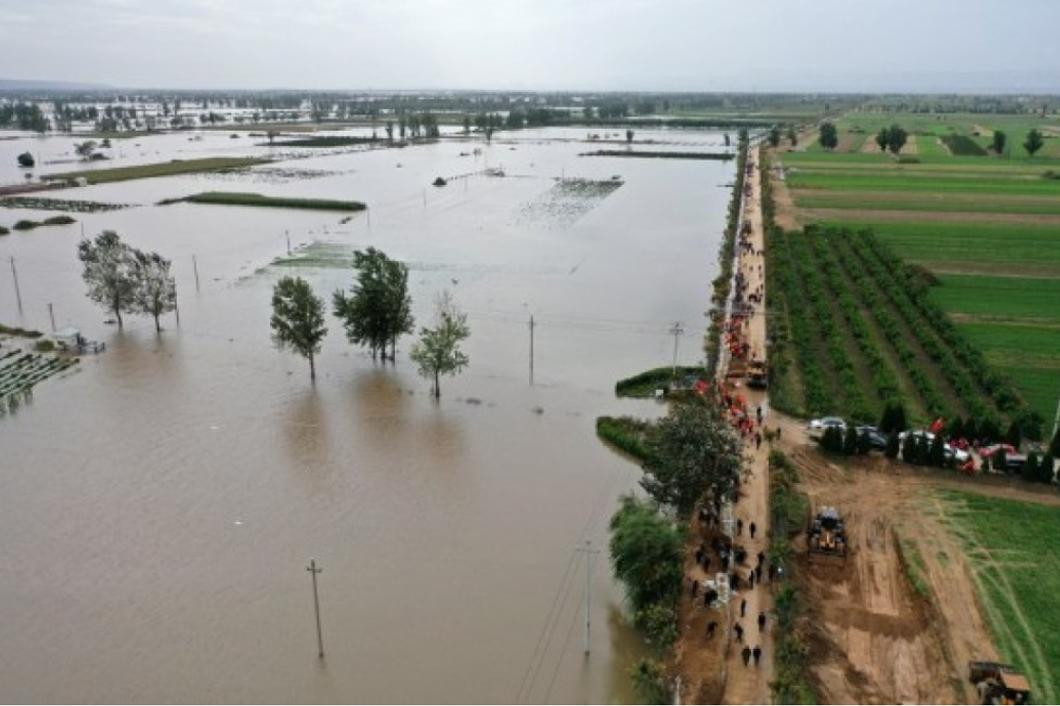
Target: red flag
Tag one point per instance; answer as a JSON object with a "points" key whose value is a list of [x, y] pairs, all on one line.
{"points": [[936, 426]]}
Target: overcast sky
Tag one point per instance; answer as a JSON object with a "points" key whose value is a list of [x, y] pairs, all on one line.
{"points": [[693, 45]]}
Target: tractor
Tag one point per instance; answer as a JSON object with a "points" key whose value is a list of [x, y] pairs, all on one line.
{"points": [[827, 535], [998, 683], [757, 375]]}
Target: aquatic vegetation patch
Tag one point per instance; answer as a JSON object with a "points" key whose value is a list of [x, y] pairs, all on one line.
{"points": [[238, 198], [326, 141], [144, 171], [567, 201], [76, 206], [26, 224], [721, 156]]}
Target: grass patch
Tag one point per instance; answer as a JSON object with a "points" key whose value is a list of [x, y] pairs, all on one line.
{"points": [[645, 384], [18, 331], [626, 434], [145, 171], [722, 156], [326, 141], [1011, 297], [915, 568], [1011, 547], [235, 198]]}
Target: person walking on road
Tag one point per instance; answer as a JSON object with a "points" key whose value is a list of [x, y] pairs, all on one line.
{"points": [[746, 654], [738, 629], [743, 607], [761, 621], [752, 529], [757, 652]]}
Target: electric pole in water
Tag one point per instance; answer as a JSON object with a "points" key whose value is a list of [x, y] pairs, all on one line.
{"points": [[589, 551], [531, 349], [18, 294], [51, 315], [676, 330], [313, 570], [195, 266]]}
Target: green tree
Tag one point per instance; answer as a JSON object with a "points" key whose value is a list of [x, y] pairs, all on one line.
{"points": [[1030, 469], [892, 446], [85, 149], [110, 272], [828, 136], [882, 139], [774, 136], [650, 682], [438, 351], [298, 319], [156, 289], [1034, 142], [896, 138], [792, 137], [658, 622], [1045, 469], [997, 142], [692, 452], [647, 553], [893, 417], [379, 309]]}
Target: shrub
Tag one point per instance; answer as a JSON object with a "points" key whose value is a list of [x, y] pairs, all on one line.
{"points": [[650, 682], [893, 418], [647, 552], [626, 433], [60, 220], [25, 224], [44, 346], [658, 622], [4, 231]]}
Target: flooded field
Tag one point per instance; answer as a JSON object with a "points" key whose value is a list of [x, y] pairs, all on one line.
{"points": [[161, 503]]}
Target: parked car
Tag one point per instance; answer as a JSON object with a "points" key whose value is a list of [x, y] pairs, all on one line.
{"points": [[817, 427], [952, 453], [877, 439]]}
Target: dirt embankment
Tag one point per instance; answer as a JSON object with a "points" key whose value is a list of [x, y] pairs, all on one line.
{"points": [[877, 637]]}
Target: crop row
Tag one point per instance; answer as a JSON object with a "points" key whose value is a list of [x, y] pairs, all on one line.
{"points": [[865, 289], [818, 399], [990, 381], [777, 331], [963, 385], [884, 379], [848, 387]]}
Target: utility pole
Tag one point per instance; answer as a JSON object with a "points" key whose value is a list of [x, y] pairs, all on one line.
{"points": [[676, 330], [589, 551], [287, 234], [313, 570], [195, 266], [531, 349], [51, 315], [18, 294]]}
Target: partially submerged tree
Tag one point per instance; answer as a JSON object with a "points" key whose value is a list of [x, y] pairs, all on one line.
{"points": [[438, 351], [647, 552], [1034, 142], [774, 136], [997, 142], [85, 149], [629, 136], [110, 272], [828, 136], [156, 289], [379, 309], [298, 319], [693, 454]]}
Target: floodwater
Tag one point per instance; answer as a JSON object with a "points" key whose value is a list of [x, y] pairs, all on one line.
{"points": [[161, 502]]}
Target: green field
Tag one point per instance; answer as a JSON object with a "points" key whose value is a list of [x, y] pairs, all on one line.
{"points": [[144, 171], [988, 226], [1011, 547]]}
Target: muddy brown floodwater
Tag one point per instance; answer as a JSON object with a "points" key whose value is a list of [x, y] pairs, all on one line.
{"points": [[161, 503]]}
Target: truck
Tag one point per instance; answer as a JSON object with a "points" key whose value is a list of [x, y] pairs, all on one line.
{"points": [[998, 683]]}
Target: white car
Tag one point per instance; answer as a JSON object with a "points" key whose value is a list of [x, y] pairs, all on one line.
{"points": [[817, 427]]}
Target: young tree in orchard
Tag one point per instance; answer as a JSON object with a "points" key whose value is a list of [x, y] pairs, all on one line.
{"points": [[792, 137], [298, 319], [774, 136], [438, 351], [1033, 143], [896, 138], [882, 139], [109, 272], [997, 142], [156, 289], [828, 136], [693, 454], [379, 309]]}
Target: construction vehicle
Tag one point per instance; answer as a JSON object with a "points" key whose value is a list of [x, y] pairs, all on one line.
{"points": [[998, 683], [757, 375], [827, 535]]}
